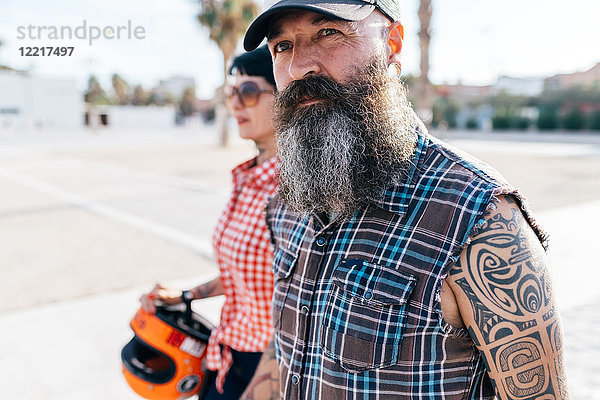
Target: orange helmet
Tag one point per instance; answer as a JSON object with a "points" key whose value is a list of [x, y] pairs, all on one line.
{"points": [[164, 360]]}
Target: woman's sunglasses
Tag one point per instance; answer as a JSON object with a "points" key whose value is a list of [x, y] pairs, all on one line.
{"points": [[248, 93]]}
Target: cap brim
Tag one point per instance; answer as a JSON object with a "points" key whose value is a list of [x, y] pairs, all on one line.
{"points": [[348, 10]]}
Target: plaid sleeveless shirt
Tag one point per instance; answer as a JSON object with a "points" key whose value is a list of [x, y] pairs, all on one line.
{"points": [[356, 304]]}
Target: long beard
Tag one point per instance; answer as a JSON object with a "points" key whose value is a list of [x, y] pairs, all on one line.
{"points": [[342, 152]]}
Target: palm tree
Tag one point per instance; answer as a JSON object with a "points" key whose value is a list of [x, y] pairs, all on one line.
{"points": [[227, 21], [122, 90], [94, 93], [424, 88], [187, 103], [4, 67], [139, 96]]}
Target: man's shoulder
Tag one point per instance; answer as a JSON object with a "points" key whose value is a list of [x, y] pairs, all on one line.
{"points": [[441, 173], [475, 185], [443, 156]]}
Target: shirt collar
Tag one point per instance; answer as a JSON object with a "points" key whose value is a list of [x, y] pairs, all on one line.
{"points": [[397, 197], [248, 172]]}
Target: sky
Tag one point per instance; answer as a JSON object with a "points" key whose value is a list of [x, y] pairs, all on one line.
{"points": [[473, 41]]}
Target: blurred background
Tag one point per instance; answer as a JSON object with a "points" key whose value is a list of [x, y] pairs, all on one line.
{"points": [[115, 159]]}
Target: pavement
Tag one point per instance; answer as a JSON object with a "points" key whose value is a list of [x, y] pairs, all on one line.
{"points": [[65, 343]]}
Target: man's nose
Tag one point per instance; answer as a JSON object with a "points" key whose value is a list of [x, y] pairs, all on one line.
{"points": [[304, 61]]}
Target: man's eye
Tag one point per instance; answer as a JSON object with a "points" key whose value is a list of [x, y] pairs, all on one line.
{"points": [[329, 32], [281, 46]]}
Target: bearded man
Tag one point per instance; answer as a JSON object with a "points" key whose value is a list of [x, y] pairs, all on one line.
{"points": [[403, 268]]}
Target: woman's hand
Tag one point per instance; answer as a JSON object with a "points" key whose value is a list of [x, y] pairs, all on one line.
{"points": [[162, 294]]}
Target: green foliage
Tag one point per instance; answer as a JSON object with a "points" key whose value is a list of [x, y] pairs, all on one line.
{"points": [[506, 104], [445, 110], [409, 80], [574, 120], [571, 97], [594, 121], [139, 97], [547, 120], [124, 95], [566, 108], [501, 122], [573, 108], [187, 104], [508, 109], [94, 93], [517, 122], [122, 90], [4, 67], [472, 124], [520, 123], [227, 21]]}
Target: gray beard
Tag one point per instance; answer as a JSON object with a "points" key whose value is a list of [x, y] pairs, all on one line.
{"points": [[338, 155]]}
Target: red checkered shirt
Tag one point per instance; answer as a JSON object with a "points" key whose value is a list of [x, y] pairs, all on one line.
{"points": [[244, 254]]}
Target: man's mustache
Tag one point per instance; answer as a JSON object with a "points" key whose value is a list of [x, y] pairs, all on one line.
{"points": [[313, 87]]}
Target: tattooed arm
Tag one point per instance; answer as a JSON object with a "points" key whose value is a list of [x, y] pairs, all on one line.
{"points": [[167, 295], [209, 289], [504, 296], [265, 383]]}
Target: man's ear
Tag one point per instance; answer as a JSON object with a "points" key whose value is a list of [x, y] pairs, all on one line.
{"points": [[395, 40]]}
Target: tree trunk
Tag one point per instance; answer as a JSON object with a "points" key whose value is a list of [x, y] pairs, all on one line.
{"points": [[222, 111], [424, 87]]}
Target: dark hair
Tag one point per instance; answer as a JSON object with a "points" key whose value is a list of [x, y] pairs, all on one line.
{"points": [[254, 63]]}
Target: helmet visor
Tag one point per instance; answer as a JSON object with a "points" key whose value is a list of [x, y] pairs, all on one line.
{"points": [[147, 363]]}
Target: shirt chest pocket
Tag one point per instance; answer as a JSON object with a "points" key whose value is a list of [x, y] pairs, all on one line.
{"points": [[365, 315]]}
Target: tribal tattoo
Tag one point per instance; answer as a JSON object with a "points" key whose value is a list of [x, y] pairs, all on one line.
{"points": [[504, 293], [208, 289]]}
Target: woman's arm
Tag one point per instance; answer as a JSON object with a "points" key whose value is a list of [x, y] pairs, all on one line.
{"points": [[208, 289], [173, 296]]}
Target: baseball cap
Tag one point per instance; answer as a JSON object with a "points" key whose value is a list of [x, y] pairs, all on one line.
{"points": [[348, 10]]}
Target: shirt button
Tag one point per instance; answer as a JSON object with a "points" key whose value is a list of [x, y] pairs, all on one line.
{"points": [[321, 241], [368, 295], [304, 310], [295, 379]]}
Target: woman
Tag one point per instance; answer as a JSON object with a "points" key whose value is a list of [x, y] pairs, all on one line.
{"points": [[241, 239]]}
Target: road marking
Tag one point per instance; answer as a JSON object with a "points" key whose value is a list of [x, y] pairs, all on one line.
{"points": [[558, 150], [202, 247], [152, 177], [572, 253]]}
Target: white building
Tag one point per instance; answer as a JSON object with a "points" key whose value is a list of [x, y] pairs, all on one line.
{"points": [[175, 86], [563, 81], [519, 86], [123, 117], [29, 101]]}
